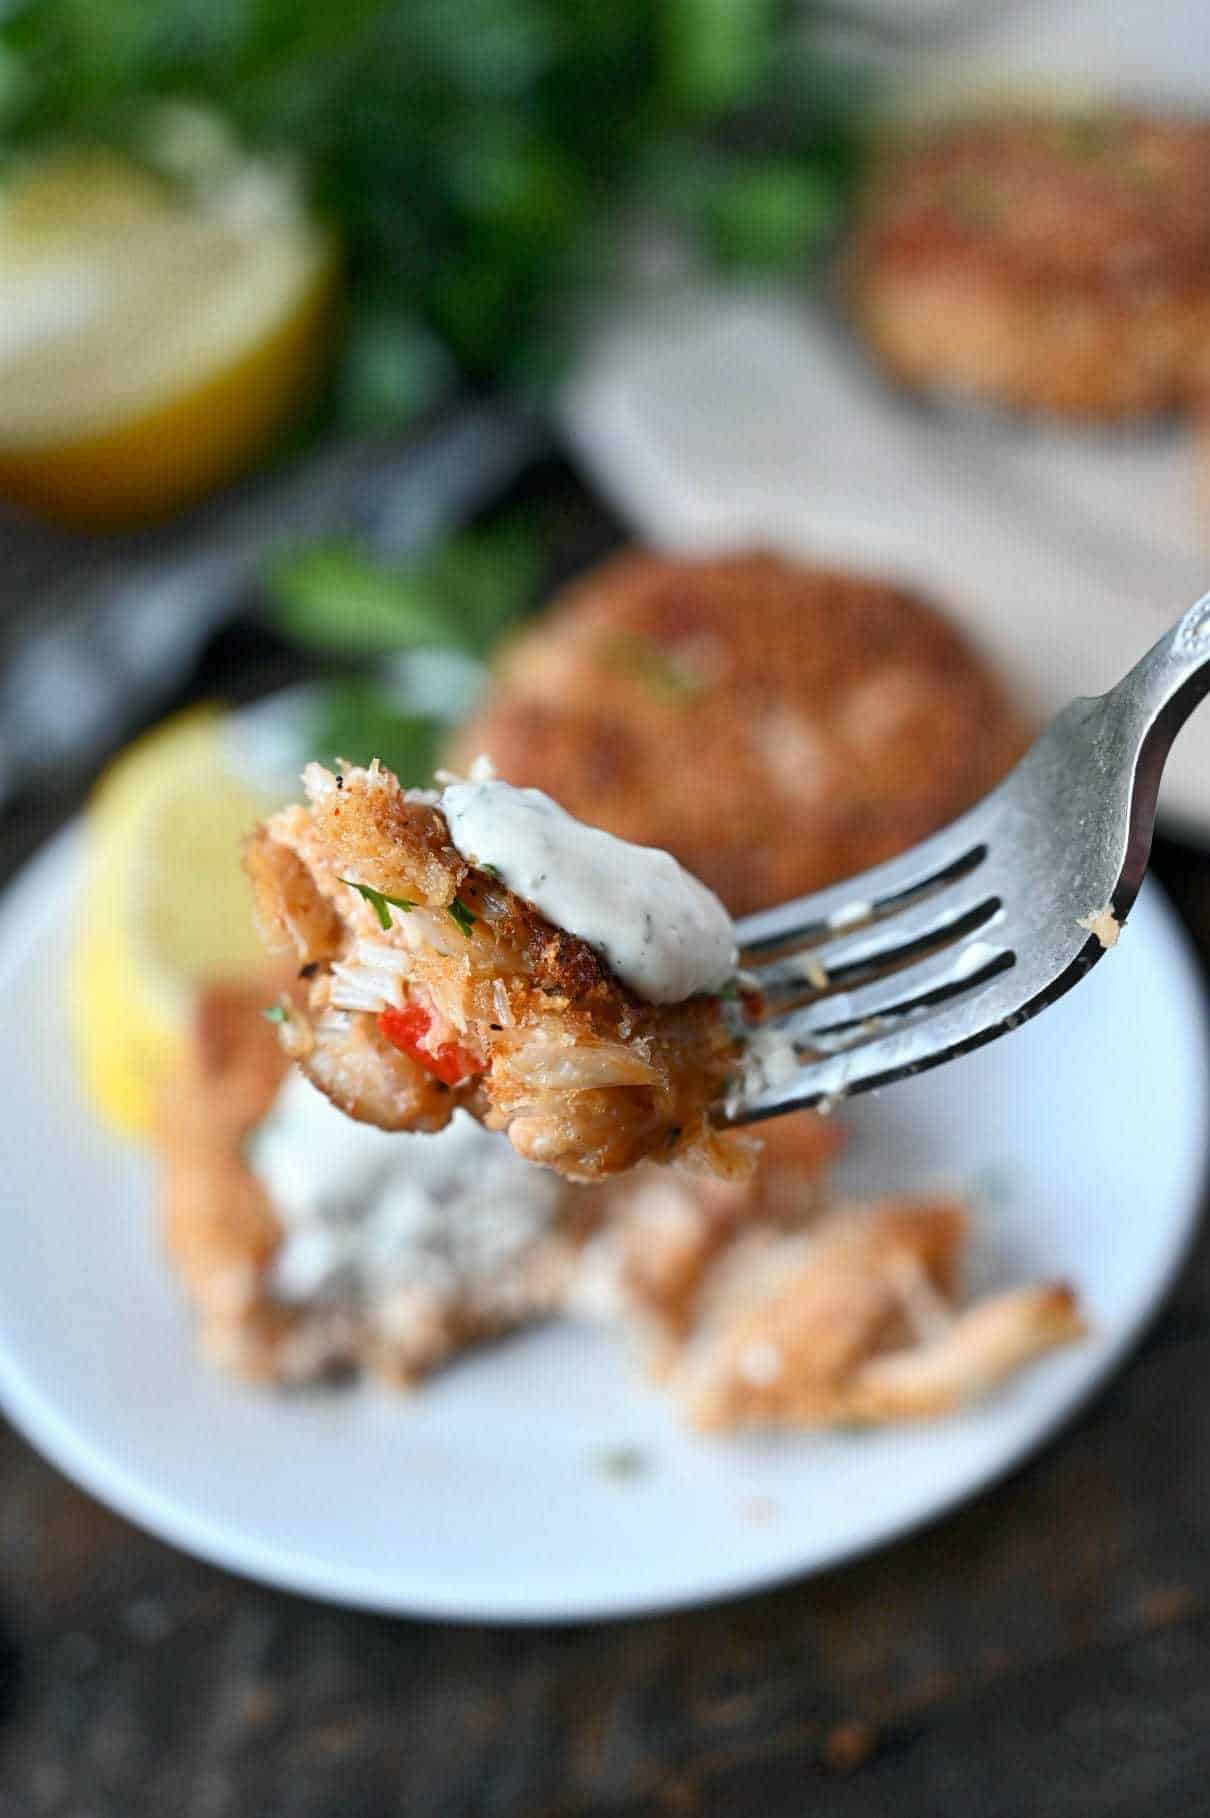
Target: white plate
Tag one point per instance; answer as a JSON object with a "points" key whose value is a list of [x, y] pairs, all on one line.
{"points": [[485, 1497]]}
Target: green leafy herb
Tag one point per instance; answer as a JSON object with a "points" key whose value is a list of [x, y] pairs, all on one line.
{"points": [[477, 156], [276, 1013], [335, 597], [332, 596], [493, 869], [358, 719], [729, 991], [767, 214], [379, 901], [460, 914]]}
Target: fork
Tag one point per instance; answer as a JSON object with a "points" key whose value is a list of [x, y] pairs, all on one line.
{"points": [[976, 929]]}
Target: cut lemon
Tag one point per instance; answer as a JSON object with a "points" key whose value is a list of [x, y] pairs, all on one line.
{"points": [[151, 340], [164, 909]]}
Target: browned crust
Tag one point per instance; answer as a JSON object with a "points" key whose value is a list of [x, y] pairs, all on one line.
{"points": [[217, 1222], [775, 727], [1045, 262]]}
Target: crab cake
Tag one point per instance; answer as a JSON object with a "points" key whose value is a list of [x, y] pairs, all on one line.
{"points": [[482, 948], [773, 726], [309, 1244], [1056, 263]]}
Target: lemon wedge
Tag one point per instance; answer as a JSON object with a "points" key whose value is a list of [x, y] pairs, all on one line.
{"points": [[152, 338], [164, 909]]}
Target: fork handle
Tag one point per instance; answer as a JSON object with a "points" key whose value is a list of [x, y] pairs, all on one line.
{"points": [[1164, 686], [1152, 702]]}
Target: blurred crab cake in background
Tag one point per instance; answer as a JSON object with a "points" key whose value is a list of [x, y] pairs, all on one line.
{"points": [[775, 727], [1053, 263]]}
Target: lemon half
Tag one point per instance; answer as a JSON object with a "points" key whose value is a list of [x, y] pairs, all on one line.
{"points": [[164, 909], [150, 343]]}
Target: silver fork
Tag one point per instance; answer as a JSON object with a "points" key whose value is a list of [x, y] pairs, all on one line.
{"points": [[975, 930]]}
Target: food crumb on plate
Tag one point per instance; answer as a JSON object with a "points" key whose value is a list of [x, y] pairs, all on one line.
{"points": [[621, 1462]]}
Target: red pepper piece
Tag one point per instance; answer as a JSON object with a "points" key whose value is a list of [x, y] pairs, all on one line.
{"points": [[405, 1029]]}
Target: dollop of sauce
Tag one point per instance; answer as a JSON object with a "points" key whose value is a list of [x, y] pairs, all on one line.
{"points": [[369, 1215], [658, 929]]}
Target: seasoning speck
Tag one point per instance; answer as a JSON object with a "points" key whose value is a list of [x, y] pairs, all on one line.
{"points": [[621, 1462]]}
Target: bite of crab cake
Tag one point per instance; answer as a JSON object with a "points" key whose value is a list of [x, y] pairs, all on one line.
{"points": [[1047, 262], [481, 948], [775, 727], [310, 1244]]}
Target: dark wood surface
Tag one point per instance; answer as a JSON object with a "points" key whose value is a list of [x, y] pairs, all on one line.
{"points": [[1045, 1650]]}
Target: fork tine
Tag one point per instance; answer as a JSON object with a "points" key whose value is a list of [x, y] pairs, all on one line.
{"points": [[940, 920], [764, 1090], [885, 890], [948, 974]]}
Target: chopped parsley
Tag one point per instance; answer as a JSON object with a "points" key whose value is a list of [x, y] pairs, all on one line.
{"points": [[379, 901], [460, 914], [729, 991], [276, 1013], [494, 869], [661, 673]]}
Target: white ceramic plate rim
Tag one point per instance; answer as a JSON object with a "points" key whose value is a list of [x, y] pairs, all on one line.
{"points": [[44, 1422]]}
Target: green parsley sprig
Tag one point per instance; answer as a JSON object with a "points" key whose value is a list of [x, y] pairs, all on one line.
{"points": [[379, 901], [461, 916]]}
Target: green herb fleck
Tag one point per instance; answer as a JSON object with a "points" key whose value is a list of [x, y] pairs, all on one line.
{"points": [[276, 1013], [460, 914], [622, 1463], [661, 673], [494, 869], [379, 901], [1089, 136], [729, 991]]}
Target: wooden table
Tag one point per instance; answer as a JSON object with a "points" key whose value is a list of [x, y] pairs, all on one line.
{"points": [[1043, 1653]]}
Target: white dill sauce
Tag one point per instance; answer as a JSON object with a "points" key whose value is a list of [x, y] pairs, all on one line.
{"points": [[369, 1214], [658, 929]]}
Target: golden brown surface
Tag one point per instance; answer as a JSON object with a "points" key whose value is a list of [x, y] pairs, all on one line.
{"points": [[1049, 263], [585, 1077], [774, 727], [218, 1224]]}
